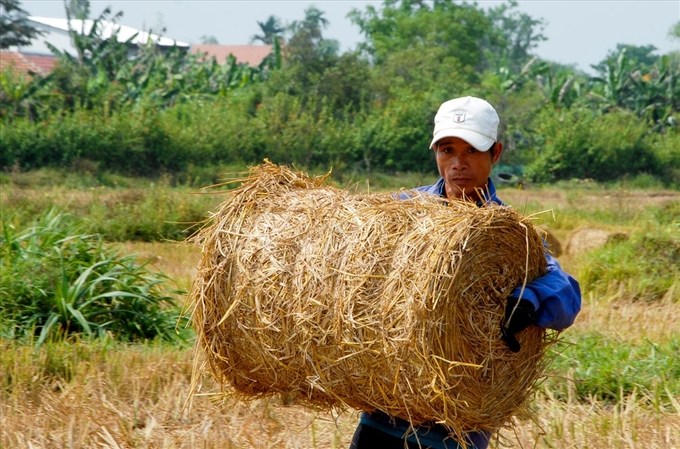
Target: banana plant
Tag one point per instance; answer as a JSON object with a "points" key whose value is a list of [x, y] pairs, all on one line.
{"points": [[653, 94], [22, 97], [88, 75], [614, 83], [562, 88], [657, 92]]}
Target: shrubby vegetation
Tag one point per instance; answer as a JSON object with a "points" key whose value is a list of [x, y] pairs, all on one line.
{"points": [[78, 286], [581, 143], [364, 111]]}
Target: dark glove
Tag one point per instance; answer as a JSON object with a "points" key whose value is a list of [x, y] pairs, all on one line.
{"points": [[516, 319]]}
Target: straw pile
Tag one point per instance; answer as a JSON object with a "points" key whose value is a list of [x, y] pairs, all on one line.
{"points": [[366, 301]]}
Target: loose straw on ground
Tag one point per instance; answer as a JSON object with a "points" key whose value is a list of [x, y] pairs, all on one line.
{"points": [[366, 301]]}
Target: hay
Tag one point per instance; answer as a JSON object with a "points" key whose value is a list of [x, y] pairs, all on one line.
{"points": [[587, 239], [366, 301], [552, 242]]}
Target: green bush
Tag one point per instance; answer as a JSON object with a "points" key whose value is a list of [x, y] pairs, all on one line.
{"points": [[285, 130], [58, 281], [667, 149], [214, 132], [389, 134], [134, 142], [397, 135], [579, 143]]}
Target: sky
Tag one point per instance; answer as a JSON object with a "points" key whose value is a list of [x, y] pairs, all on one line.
{"points": [[579, 32]]}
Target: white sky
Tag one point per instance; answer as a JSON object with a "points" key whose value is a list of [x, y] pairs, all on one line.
{"points": [[578, 32]]}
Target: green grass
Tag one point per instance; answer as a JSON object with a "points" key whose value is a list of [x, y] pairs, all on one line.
{"points": [[148, 210], [606, 369], [646, 266]]}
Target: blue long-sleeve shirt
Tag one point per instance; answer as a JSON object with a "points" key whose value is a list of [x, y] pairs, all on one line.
{"points": [[556, 296]]}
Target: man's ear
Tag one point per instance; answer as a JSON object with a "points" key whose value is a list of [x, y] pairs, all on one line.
{"points": [[497, 151]]}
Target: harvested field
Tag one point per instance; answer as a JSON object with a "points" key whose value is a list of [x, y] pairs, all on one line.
{"points": [[86, 395]]}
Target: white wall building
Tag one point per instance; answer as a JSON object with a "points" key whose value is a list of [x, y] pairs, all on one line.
{"points": [[56, 32]]}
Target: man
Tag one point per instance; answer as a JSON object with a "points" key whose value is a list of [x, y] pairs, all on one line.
{"points": [[465, 147]]}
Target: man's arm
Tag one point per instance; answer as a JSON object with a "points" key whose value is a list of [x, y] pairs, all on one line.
{"points": [[556, 296]]}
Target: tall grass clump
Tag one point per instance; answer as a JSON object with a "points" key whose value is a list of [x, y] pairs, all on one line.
{"points": [[607, 369], [644, 267], [59, 281]]}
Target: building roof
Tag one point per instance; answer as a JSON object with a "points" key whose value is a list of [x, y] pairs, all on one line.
{"points": [[252, 55], [107, 30], [44, 62], [22, 63]]}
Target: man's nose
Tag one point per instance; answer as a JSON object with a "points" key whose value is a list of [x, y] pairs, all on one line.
{"points": [[458, 162]]}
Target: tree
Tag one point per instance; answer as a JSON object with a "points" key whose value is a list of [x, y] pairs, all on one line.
{"points": [[14, 28], [307, 49], [313, 77], [209, 39], [77, 9], [518, 34], [651, 90], [639, 56], [270, 29], [674, 32], [460, 30], [313, 22]]}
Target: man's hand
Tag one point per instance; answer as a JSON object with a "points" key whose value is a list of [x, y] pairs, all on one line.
{"points": [[517, 318]]}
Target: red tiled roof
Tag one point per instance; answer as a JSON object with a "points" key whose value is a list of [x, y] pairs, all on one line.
{"points": [[46, 63], [252, 55], [22, 64], [17, 63]]}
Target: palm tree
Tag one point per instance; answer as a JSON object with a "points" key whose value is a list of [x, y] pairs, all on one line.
{"points": [[270, 29], [209, 39], [78, 9], [313, 22], [674, 32]]}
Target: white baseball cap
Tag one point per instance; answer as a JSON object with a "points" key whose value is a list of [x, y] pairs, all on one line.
{"points": [[472, 119]]}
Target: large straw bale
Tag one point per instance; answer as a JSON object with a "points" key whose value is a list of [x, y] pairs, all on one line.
{"points": [[366, 301], [587, 239]]}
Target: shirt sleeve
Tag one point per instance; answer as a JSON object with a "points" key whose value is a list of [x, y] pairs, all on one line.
{"points": [[556, 297]]}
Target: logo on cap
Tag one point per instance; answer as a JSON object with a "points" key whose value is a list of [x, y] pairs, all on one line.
{"points": [[459, 116]]}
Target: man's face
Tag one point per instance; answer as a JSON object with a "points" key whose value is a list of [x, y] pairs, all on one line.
{"points": [[464, 168]]}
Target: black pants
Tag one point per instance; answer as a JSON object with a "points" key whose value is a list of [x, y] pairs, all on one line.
{"points": [[367, 437]]}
